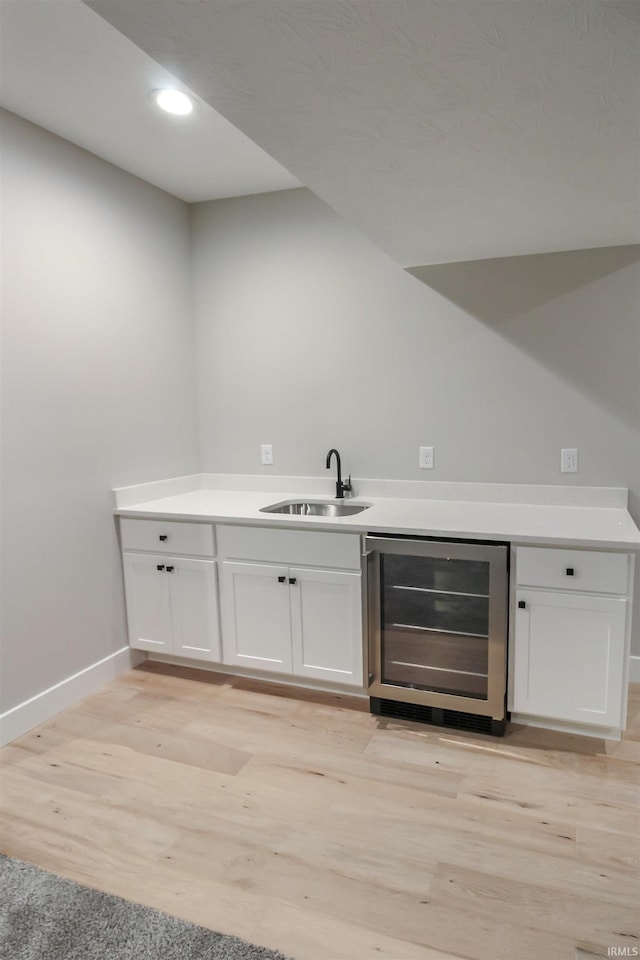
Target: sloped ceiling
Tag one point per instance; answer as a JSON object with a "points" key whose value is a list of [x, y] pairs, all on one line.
{"points": [[446, 131], [65, 68]]}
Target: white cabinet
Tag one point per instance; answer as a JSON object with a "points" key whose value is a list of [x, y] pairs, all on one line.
{"points": [[326, 625], [256, 621], [294, 619], [194, 609], [570, 648], [172, 601], [569, 662], [147, 592], [172, 605]]}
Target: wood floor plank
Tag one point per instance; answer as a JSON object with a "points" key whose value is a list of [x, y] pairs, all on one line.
{"points": [[65, 811], [156, 883], [569, 915], [553, 800], [601, 777], [185, 747], [125, 762], [504, 827], [610, 849], [57, 771], [297, 820], [340, 776], [590, 954], [305, 931], [427, 844], [375, 903]]}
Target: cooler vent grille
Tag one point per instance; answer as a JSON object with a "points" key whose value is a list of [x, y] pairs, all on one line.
{"points": [[437, 716]]}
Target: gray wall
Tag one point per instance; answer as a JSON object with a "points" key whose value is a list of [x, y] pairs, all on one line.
{"points": [[309, 337], [97, 390]]}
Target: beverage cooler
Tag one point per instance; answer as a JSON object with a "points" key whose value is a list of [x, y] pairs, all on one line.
{"points": [[438, 631]]}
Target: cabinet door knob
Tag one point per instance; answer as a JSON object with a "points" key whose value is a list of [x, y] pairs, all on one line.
{"points": [[281, 579], [169, 569], [292, 580], [570, 572], [163, 536], [521, 604], [160, 566]]}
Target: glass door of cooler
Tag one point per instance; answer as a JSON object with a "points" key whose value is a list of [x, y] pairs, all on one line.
{"points": [[435, 624], [441, 620]]}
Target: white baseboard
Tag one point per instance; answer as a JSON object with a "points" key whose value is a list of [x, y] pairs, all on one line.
{"points": [[634, 669], [47, 704]]}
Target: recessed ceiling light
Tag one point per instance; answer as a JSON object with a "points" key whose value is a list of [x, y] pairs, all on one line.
{"points": [[173, 101]]}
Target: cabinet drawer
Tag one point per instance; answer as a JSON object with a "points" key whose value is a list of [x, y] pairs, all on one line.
{"points": [[579, 570], [308, 547], [168, 536]]}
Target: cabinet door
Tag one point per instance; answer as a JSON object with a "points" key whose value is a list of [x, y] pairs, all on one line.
{"points": [[256, 619], [569, 657], [148, 602], [194, 608], [326, 625]]}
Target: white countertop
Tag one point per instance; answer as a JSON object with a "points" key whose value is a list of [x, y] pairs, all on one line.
{"points": [[604, 527]]}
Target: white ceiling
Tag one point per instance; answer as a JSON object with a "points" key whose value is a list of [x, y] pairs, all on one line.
{"points": [[448, 130], [68, 70]]}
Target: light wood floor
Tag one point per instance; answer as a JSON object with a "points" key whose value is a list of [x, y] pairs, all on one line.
{"points": [[303, 823]]}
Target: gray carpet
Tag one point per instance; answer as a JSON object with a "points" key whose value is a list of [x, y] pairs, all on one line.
{"points": [[44, 917]]}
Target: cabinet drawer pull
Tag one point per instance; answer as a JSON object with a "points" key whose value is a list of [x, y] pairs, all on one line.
{"points": [[163, 536], [160, 566], [292, 580], [570, 572], [169, 569], [521, 604], [281, 579]]}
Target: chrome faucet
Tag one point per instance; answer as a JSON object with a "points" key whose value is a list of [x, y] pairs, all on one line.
{"points": [[341, 487]]}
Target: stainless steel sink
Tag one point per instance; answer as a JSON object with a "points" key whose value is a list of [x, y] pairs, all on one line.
{"points": [[316, 508]]}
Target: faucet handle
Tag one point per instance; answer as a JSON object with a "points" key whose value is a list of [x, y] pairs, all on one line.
{"points": [[347, 486]]}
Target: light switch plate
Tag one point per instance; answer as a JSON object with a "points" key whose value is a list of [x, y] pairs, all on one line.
{"points": [[266, 453]]}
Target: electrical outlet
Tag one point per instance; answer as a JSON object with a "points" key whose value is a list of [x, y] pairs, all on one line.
{"points": [[266, 453], [569, 460], [425, 461]]}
